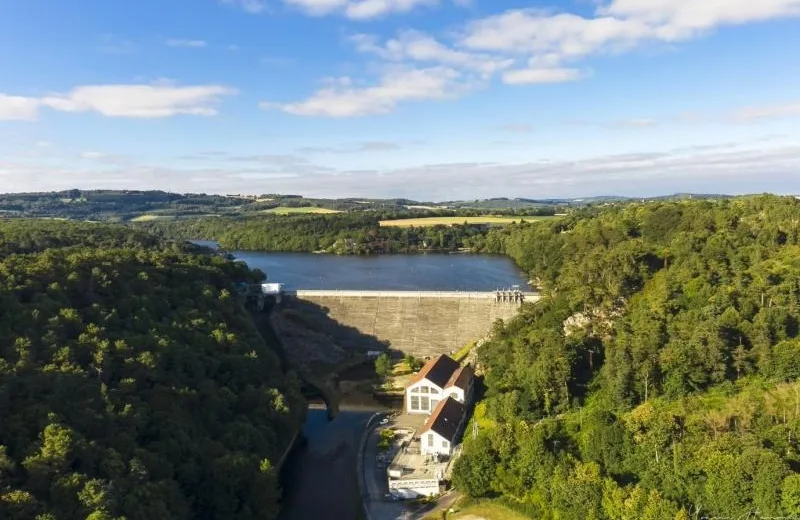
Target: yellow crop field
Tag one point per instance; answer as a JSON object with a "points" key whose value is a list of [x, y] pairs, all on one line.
{"points": [[451, 221], [291, 211], [150, 218]]}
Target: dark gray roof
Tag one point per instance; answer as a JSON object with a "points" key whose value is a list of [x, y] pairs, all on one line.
{"points": [[438, 370], [461, 378], [446, 418]]}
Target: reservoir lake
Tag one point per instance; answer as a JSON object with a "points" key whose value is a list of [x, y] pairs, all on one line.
{"points": [[412, 272]]}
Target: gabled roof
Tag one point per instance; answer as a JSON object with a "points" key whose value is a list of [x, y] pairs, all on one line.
{"points": [[438, 371], [446, 418], [461, 378]]}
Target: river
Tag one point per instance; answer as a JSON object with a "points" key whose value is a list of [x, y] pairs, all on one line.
{"points": [[319, 477]]}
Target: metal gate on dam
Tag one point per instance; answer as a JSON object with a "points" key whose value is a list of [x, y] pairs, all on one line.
{"points": [[423, 323]]}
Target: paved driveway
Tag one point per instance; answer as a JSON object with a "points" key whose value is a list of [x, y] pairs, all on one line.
{"points": [[378, 507]]}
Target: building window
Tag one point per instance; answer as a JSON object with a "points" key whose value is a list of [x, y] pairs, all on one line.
{"points": [[425, 404], [434, 402], [434, 391], [423, 389], [415, 390], [445, 444], [430, 440], [454, 395], [415, 402]]}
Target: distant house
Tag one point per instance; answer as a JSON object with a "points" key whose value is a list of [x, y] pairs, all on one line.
{"points": [[271, 289], [443, 427], [441, 377]]}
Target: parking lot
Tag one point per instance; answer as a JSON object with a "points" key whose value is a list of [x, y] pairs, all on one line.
{"points": [[379, 503]]}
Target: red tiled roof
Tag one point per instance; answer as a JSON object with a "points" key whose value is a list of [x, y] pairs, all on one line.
{"points": [[438, 371], [446, 418]]}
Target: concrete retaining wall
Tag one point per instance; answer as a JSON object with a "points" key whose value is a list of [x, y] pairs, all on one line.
{"points": [[420, 323]]}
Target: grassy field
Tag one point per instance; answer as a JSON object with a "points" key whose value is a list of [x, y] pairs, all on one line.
{"points": [[450, 221], [150, 218], [464, 352], [486, 511], [290, 211], [482, 510]]}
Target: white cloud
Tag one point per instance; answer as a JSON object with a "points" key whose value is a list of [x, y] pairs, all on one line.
{"points": [[517, 128], [137, 101], [635, 123], [352, 9], [752, 114], [366, 9], [417, 46], [551, 44], [16, 108], [365, 147], [107, 159], [251, 6], [549, 40], [728, 168], [343, 99], [685, 17], [178, 42], [362, 9], [539, 76]]}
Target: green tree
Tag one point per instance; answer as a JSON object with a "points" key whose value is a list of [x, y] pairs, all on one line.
{"points": [[383, 365], [473, 472], [790, 494]]}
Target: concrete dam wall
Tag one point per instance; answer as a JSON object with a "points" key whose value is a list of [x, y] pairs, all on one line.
{"points": [[418, 322]]}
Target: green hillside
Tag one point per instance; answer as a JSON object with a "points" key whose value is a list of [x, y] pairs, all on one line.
{"points": [[133, 385], [659, 377]]}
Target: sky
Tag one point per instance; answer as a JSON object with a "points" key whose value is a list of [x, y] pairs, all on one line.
{"points": [[425, 99]]}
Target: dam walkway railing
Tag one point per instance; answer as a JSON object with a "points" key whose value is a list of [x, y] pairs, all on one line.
{"points": [[465, 295]]}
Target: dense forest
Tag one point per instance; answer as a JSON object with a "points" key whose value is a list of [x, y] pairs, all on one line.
{"points": [[658, 378], [345, 233], [112, 205], [126, 205], [133, 384]]}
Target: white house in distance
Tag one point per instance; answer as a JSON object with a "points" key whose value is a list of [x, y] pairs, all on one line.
{"points": [[441, 377], [443, 427]]}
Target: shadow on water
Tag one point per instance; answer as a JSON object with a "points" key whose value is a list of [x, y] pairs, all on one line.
{"points": [[320, 478]]}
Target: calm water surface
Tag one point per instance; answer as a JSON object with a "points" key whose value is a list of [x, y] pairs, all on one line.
{"points": [[320, 479], [423, 272]]}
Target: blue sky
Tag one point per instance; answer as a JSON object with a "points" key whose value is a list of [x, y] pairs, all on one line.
{"points": [[427, 99]]}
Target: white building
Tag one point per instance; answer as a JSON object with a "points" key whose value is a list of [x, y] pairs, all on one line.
{"points": [[443, 427], [413, 474], [441, 377]]}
